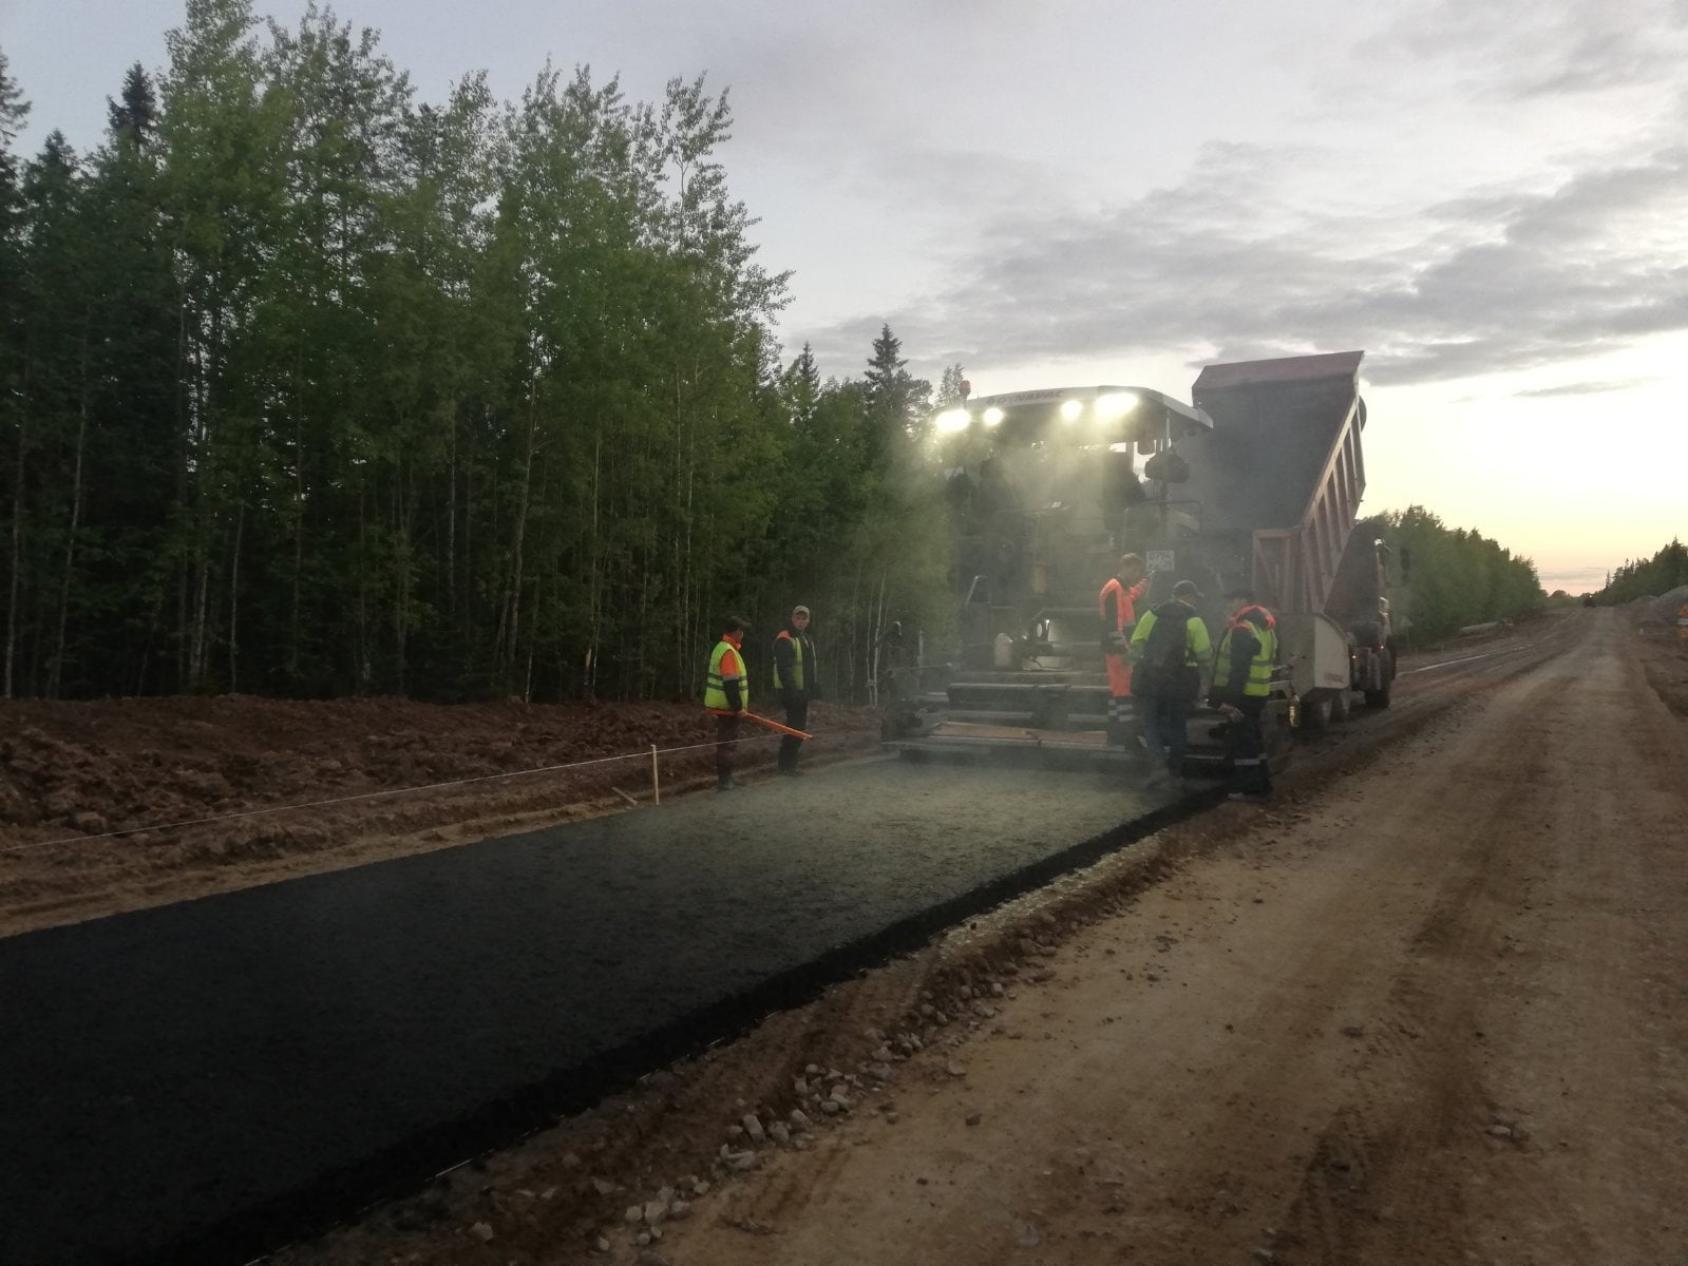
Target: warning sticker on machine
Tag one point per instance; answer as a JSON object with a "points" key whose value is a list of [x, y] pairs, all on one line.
{"points": [[1159, 559]]}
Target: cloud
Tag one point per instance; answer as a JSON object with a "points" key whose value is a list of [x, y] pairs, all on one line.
{"points": [[1222, 265], [1527, 48], [1584, 388]]}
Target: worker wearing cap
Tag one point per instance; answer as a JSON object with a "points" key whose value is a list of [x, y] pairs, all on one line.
{"points": [[726, 693], [1242, 680], [1117, 605], [1167, 673], [796, 677]]}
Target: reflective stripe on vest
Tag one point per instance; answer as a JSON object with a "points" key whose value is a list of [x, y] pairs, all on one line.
{"points": [[797, 674], [715, 685], [1259, 682]]}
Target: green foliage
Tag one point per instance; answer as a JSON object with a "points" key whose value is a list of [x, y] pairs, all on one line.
{"points": [[313, 388], [1648, 577], [1456, 576]]}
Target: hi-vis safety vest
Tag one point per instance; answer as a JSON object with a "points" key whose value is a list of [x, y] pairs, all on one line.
{"points": [[798, 676], [1259, 683], [715, 685]]}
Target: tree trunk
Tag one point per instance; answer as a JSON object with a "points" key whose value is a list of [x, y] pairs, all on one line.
{"points": [[55, 678], [295, 618], [17, 554], [510, 624], [451, 525], [234, 599], [365, 664]]}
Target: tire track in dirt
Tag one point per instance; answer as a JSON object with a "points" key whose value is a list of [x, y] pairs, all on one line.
{"points": [[1426, 1113]]}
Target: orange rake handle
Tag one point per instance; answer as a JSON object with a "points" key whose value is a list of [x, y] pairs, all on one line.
{"points": [[775, 725]]}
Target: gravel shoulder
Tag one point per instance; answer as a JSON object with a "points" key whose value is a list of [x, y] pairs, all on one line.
{"points": [[1426, 1008]]}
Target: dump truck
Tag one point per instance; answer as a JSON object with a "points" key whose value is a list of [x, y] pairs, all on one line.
{"points": [[1257, 480]]}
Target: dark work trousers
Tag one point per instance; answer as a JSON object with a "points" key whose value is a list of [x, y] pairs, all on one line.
{"points": [[1119, 720], [1165, 727], [1246, 748], [797, 717], [726, 745]]}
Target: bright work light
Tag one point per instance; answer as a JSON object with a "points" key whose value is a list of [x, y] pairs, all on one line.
{"points": [[993, 416], [1115, 405], [952, 420], [1070, 410]]}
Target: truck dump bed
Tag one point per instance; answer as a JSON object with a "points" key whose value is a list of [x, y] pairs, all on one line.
{"points": [[1283, 465]]}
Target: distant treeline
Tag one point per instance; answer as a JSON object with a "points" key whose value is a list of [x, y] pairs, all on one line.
{"points": [[1648, 577], [310, 387], [1456, 576]]}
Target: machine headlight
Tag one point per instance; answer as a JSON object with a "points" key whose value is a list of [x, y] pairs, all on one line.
{"points": [[953, 420], [1115, 405], [1071, 409], [993, 416]]}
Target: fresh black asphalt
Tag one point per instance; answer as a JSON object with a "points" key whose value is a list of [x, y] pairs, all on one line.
{"points": [[192, 1082]]}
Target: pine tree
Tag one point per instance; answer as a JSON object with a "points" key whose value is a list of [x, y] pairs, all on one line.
{"points": [[800, 387], [135, 117], [949, 387], [14, 109]]}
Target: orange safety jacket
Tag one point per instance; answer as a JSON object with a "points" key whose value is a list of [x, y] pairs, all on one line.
{"points": [[1120, 621]]}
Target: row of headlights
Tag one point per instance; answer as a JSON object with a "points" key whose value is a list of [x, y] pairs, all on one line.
{"points": [[1110, 407]]}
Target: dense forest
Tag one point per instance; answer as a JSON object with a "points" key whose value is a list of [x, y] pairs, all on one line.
{"points": [[1457, 576], [310, 387], [1647, 577]]}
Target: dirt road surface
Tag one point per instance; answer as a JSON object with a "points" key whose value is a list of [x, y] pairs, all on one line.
{"points": [[1440, 1014]]}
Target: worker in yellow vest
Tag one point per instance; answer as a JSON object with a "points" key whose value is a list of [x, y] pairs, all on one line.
{"points": [[796, 677], [726, 693], [1242, 680], [1169, 653]]}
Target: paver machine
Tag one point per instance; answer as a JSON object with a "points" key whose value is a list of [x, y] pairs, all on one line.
{"points": [[1257, 480]]}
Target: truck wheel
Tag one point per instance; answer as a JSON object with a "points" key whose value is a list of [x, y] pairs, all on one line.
{"points": [[1378, 698], [1315, 715], [1340, 708]]}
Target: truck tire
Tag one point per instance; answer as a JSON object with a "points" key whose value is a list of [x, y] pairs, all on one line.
{"points": [[1340, 707], [1378, 698], [1316, 714]]}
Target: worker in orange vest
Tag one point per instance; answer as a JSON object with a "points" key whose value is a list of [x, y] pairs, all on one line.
{"points": [[726, 693], [1117, 605]]}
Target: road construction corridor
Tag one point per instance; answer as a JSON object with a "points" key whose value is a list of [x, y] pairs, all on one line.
{"points": [[1433, 1016], [227, 1069]]}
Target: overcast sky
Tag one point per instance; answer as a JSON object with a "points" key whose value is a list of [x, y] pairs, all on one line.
{"points": [[1490, 198]]}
